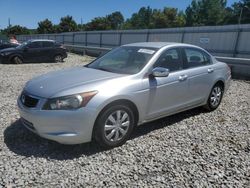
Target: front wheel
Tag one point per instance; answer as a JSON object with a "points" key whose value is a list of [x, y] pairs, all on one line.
{"points": [[215, 97], [114, 126], [17, 60]]}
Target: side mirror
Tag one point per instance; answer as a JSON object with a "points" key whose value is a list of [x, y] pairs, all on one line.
{"points": [[160, 72]]}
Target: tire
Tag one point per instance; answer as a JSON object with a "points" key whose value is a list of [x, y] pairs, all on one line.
{"points": [[111, 129], [58, 58], [17, 60], [215, 97]]}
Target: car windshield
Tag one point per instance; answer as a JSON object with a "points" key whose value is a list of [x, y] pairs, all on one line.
{"points": [[22, 45], [124, 60]]}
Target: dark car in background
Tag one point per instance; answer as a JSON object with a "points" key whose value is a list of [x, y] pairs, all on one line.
{"points": [[38, 50], [4, 45]]}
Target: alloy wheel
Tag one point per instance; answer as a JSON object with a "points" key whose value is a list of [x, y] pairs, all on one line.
{"points": [[216, 96], [58, 58]]}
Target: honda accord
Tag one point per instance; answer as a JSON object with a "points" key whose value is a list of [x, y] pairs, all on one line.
{"points": [[130, 85]]}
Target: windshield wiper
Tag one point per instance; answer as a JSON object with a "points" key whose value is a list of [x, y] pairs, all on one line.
{"points": [[103, 69]]}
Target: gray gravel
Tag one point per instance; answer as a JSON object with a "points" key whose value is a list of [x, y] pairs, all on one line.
{"points": [[193, 148]]}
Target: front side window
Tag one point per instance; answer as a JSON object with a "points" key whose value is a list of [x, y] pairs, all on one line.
{"points": [[196, 58], [35, 45], [170, 59], [124, 60]]}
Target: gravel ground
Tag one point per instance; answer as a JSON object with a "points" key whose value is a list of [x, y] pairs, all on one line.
{"points": [[193, 148]]}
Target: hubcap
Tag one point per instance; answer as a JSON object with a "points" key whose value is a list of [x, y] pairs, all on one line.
{"points": [[58, 58], [18, 60], [215, 96], [116, 125]]}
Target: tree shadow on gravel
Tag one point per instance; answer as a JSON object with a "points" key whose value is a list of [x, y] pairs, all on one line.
{"points": [[23, 142]]}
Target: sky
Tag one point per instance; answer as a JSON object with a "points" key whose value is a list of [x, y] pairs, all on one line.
{"points": [[29, 12]]}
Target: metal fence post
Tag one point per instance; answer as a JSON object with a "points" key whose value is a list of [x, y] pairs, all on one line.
{"points": [[86, 39], [236, 44], [182, 37], [120, 38], [63, 39], [73, 38], [100, 39], [147, 39]]}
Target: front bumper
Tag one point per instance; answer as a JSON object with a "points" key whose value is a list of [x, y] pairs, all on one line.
{"points": [[4, 59], [63, 126]]}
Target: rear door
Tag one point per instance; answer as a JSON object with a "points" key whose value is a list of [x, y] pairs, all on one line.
{"points": [[200, 74], [33, 52], [167, 94], [48, 50]]}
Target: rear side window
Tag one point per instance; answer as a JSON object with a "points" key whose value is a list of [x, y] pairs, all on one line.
{"points": [[47, 44], [170, 59], [37, 44], [196, 58]]}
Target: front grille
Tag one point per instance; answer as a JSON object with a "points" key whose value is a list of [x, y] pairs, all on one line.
{"points": [[29, 101]]}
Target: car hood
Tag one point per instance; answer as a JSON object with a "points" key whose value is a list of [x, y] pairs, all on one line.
{"points": [[52, 83], [8, 50]]}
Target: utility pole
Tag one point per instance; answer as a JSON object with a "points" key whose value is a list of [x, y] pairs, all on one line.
{"points": [[9, 22], [241, 11], [81, 24]]}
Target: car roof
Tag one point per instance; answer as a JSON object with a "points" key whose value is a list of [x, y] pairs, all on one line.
{"points": [[41, 40], [159, 44]]}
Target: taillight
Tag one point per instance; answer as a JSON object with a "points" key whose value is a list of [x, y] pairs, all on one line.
{"points": [[63, 47]]}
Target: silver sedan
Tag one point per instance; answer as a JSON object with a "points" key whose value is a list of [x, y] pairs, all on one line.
{"points": [[129, 86]]}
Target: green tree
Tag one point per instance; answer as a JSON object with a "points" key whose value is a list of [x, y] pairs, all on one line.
{"points": [[206, 12], [115, 20], [45, 26], [140, 20], [147, 18], [16, 30], [99, 23], [233, 13], [67, 24]]}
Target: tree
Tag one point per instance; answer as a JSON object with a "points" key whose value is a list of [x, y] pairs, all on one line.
{"points": [[233, 13], [206, 12], [140, 20], [148, 18], [115, 19], [16, 30], [45, 26], [67, 24], [99, 23], [111, 21]]}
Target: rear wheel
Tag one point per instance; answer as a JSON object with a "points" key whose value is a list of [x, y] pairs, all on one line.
{"points": [[114, 126], [17, 60], [215, 97], [58, 58]]}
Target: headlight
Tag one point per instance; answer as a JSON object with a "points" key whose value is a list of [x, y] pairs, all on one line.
{"points": [[70, 102], [5, 53]]}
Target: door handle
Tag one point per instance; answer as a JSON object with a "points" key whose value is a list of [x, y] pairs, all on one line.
{"points": [[183, 77], [210, 70]]}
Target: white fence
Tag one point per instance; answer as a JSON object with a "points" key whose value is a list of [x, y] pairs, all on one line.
{"points": [[227, 41]]}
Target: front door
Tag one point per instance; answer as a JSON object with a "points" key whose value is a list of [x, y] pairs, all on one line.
{"points": [[167, 94]]}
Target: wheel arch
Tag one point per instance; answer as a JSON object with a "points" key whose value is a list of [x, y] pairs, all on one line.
{"points": [[127, 102], [220, 82], [15, 55]]}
